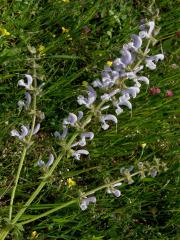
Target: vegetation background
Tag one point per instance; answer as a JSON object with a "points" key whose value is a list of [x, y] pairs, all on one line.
{"points": [[75, 39]]}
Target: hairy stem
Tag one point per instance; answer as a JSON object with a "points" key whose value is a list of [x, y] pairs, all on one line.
{"points": [[26, 145]]}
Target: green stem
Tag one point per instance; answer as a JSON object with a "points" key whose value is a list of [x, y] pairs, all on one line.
{"points": [[25, 147], [76, 200]]}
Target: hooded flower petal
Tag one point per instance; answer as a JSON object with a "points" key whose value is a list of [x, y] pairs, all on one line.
{"points": [[108, 117], [28, 84], [22, 135], [50, 161], [70, 120], [89, 100], [86, 201], [28, 100], [133, 91], [63, 135], [80, 115], [36, 129], [137, 41], [41, 163], [126, 56], [124, 101], [78, 154], [143, 79]]}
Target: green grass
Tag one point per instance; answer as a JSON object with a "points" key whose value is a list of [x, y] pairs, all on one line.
{"points": [[148, 209]]}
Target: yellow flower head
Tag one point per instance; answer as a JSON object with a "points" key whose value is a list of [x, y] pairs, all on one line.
{"points": [[4, 32], [109, 63], [41, 49], [71, 182], [34, 235], [65, 30], [143, 145]]}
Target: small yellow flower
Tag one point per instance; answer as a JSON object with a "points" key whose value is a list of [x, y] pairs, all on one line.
{"points": [[143, 145], [65, 30], [65, 1], [109, 63], [41, 49], [71, 182], [4, 32], [34, 235]]}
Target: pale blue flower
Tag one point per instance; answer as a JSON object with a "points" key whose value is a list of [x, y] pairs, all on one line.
{"points": [[105, 118], [36, 129], [86, 201], [137, 41], [28, 84], [63, 135], [25, 103], [90, 99], [41, 163], [77, 154], [70, 120], [132, 91], [22, 135], [114, 191], [126, 57]]}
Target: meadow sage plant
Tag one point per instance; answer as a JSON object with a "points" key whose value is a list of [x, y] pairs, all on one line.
{"points": [[105, 99]]}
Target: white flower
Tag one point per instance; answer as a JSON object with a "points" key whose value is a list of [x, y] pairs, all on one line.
{"points": [[26, 103], [108, 96], [22, 135], [84, 136], [86, 201], [77, 154], [28, 84], [108, 117]]}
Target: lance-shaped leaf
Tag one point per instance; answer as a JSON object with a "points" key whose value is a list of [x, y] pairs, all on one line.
{"points": [[105, 118], [28, 84], [22, 135], [77, 154]]}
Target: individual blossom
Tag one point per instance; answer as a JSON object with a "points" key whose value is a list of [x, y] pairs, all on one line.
{"points": [[63, 135], [21, 136], [113, 190], [137, 41], [84, 136], [150, 61], [77, 154], [36, 129], [147, 33], [132, 91], [169, 93], [123, 101], [126, 172], [26, 103], [90, 99], [50, 161], [4, 32], [70, 120], [105, 118], [28, 84], [154, 90], [71, 182], [86, 201]]}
